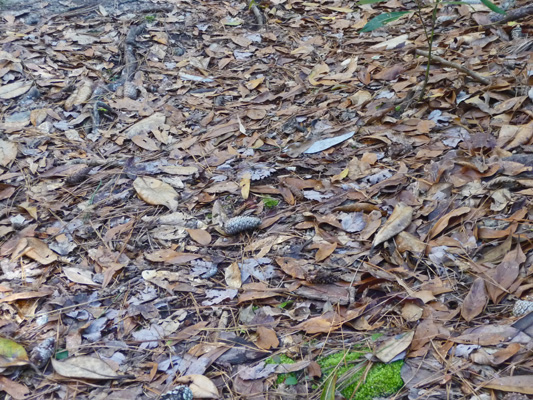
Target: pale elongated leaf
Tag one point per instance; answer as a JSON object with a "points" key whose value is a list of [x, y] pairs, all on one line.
{"points": [[475, 301], [401, 217], [84, 367]]}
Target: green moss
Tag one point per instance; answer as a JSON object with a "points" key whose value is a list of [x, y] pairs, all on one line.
{"points": [[381, 380], [290, 378]]}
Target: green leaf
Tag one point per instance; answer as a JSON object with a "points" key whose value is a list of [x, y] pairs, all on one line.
{"points": [[270, 202], [329, 388], [61, 354], [382, 20], [493, 7], [363, 2], [291, 380], [12, 354]]}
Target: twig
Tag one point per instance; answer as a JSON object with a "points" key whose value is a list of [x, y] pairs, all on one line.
{"points": [[257, 12], [447, 63]]}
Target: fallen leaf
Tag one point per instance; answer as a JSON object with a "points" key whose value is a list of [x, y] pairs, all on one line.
{"points": [[200, 235], [84, 367], [400, 219], [156, 192], [266, 338], [475, 301]]}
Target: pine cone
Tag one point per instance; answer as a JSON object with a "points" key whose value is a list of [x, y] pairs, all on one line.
{"points": [[241, 224], [178, 393], [321, 277]]}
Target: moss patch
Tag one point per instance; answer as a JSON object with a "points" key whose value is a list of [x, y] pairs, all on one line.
{"points": [[381, 380], [290, 378]]}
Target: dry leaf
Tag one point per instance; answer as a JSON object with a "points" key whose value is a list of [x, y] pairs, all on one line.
{"points": [[233, 276], [200, 235], [84, 367], [35, 249], [146, 125], [201, 386], [156, 192], [516, 383], [324, 250], [400, 219], [505, 274], [266, 338], [79, 275], [475, 301], [443, 221], [245, 185], [388, 350], [8, 152]]}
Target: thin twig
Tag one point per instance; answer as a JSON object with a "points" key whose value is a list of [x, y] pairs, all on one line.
{"points": [[459, 67]]}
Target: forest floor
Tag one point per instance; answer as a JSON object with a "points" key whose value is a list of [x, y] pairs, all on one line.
{"points": [[209, 194]]}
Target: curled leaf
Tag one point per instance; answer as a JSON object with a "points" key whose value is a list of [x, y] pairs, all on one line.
{"points": [[401, 217]]}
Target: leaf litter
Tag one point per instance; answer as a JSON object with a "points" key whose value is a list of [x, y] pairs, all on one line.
{"points": [[189, 188]]}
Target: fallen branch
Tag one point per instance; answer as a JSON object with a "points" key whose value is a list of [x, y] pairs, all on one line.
{"points": [[459, 67], [513, 15]]}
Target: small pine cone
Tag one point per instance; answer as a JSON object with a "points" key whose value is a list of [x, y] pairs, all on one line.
{"points": [[522, 307], [78, 177], [237, 225], [41, 354], [130, 90], [321, 277], [178, 393]]}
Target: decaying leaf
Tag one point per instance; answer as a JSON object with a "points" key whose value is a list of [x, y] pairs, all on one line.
{"points": [[12, 354], [475, 301], [400, 219], [35, 249], [387, 351], [84, 367]]}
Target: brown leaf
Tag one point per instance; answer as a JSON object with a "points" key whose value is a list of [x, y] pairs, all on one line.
{"points": [[523, 136], [155, 192], [504, 275], [146, 125], [324, 250], [516, 383], [84, 367], [475, 301], [426, 331], [35, 249], [16, 390], [245, 185], [291, 267], [200, 235], [443, 221], [144, 142], [267, 338], [400, 219], [323, 324]]}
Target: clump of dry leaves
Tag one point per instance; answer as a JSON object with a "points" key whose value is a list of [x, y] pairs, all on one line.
{"points": [[192, 187]]}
